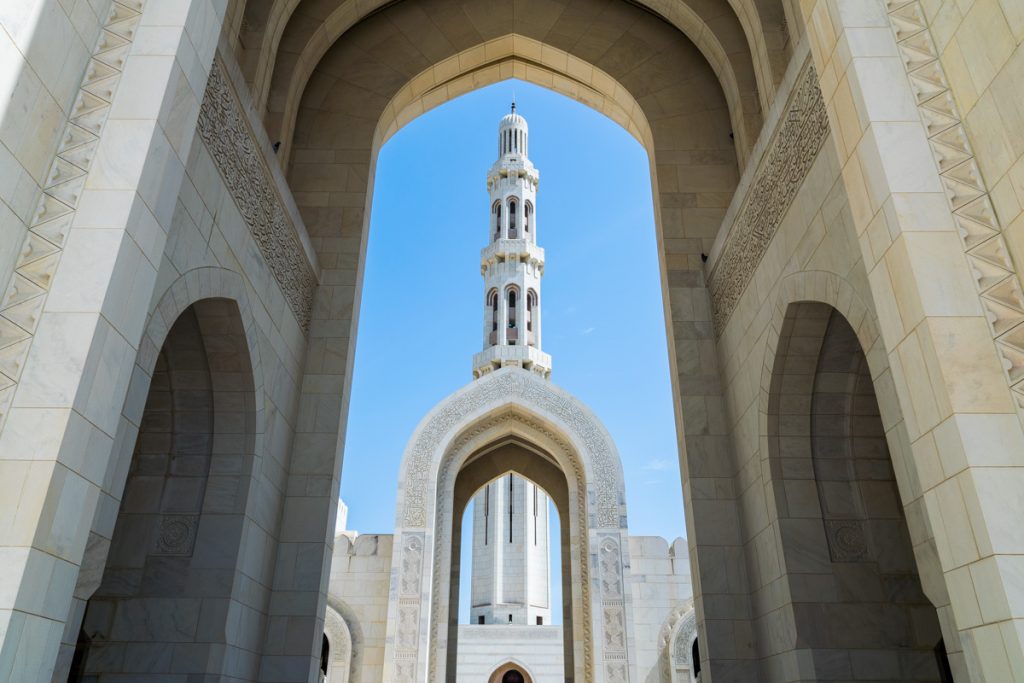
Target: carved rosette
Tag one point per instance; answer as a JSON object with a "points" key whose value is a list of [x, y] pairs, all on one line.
{"points": [[225, 131], [782, 171], [176, 535]]}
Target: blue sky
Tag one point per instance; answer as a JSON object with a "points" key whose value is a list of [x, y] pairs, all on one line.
{"points": [[420, 317]]}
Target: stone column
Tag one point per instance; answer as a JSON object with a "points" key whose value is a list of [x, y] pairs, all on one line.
{"points": [[930, 242], [83, 285]]}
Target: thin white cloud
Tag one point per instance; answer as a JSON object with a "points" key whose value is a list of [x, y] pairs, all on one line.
{"points": [[587, 330], [658, 464]]}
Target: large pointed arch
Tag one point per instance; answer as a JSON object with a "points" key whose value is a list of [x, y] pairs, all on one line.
{"points": [[563, 435]]}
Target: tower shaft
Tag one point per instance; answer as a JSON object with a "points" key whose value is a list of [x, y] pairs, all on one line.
{"points": [[512, 264]]}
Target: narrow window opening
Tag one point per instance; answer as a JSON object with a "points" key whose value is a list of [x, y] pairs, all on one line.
{"points": [[512, 334], [510, 518], [512, 233], [480, 619], [325, 658], [535, 515], [487, 511], [510, 618], [540, 621]]}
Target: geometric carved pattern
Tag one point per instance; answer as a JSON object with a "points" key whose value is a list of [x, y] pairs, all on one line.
{"points": [[23, 300], [235, 152], [613, 609], [684, 636], [789, 158], [979, 227], [408, 632]]}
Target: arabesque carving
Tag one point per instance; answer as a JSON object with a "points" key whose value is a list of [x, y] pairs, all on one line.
{"points": [[782, 171], [533, 392], [226, 134]]}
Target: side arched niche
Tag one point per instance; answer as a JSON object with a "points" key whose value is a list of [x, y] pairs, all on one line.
{"points": [[174, 566], [856, 608]]}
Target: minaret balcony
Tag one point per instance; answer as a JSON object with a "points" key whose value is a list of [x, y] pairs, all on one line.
{"points": [[522, 356], [502, 249]]}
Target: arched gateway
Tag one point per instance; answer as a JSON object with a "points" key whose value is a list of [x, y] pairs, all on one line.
{"points": [[511, 419], [141, 178], [514, 420]]}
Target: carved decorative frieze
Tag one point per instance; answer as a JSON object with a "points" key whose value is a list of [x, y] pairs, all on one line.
{"points": [[409, 592], [782, 171], [225, 131], [685, 635], [997, 281], [22, 303], [532, 392], [613, 607]]}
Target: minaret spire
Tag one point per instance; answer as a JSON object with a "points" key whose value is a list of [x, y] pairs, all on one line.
{"points": [[512, 264]]}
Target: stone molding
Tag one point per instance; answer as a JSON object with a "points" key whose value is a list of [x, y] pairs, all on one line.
{"points": [[225, 131], [22, 305], [518, 386], [999, 286], [685, 634], [779, 176]]}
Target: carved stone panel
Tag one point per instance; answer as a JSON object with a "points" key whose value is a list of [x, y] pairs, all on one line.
{"points": [[226, 133], [782, 171], [543, 398], [176, 535]]}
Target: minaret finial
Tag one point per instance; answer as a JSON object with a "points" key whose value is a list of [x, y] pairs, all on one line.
{"points": [[513, 103]]}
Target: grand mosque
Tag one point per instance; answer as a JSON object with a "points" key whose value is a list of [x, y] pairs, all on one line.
{"points": [[838, 195]]}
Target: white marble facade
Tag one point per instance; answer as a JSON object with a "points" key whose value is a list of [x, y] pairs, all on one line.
{"points": [[185, 188]]}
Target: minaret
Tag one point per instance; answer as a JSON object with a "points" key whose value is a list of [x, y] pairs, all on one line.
{"points": [[512, 263], [511, 555], [511, 582]]}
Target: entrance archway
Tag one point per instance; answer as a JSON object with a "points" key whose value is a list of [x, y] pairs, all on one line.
{"points": [[512, 672], [512, 455], [504, 407]]}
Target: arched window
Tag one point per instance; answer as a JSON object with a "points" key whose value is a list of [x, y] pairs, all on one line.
{"points": [[527, 215], [512, 334], [325, 657], [531, 305], [512, 676], [492, 303], [512, 234], [496, 210]]}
